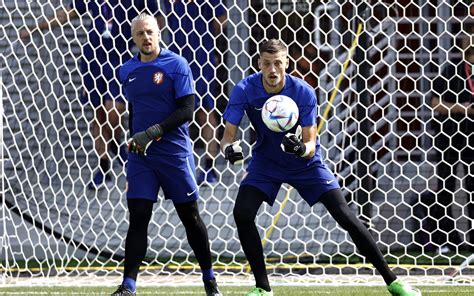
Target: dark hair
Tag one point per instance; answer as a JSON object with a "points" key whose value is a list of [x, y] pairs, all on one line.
{"points": [[272, 46]]}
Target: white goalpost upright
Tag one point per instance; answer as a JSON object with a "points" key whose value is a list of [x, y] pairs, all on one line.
{"points": [[377, 138]]}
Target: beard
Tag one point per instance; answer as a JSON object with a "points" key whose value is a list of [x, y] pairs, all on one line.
{"points": [[146, 52]]}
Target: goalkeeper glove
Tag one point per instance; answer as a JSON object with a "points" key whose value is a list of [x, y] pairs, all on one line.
{"points": [[233, 153], [140, 141], [293, 145]]}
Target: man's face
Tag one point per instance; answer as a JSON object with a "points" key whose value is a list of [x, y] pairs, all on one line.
{"points": [[273, 67], [146, 36]]}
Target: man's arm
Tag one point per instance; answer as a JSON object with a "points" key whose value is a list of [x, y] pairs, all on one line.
{"points": [[309, 139], [140, 141], [229, 147], [230, 132], [219, 23], [60, 17]]}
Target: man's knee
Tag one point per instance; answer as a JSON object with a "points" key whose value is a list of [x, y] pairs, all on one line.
{"points": [[242, 216], [140, 210], [188, 213], [247, 203]]}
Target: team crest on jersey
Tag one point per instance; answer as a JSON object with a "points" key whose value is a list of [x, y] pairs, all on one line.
{"points": [[158, 77]]}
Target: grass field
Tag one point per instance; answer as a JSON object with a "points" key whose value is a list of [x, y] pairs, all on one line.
{"points": [[279, 290]]}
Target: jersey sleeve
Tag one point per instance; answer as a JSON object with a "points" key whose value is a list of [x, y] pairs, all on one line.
{"points": [[183, 79], [236, 107], [308, 110], [122, 76], [79, 5]]}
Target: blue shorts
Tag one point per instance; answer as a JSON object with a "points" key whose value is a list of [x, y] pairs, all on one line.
{"points": [[100, 83], [174, 175], [311, 183]]}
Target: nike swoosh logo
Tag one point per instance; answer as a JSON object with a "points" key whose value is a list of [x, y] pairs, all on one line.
{"points": [[191, 193], [258, 108], [131, 79], [329, 181]]}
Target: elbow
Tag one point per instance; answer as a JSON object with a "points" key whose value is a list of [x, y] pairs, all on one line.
{"points": [[188, 115]]}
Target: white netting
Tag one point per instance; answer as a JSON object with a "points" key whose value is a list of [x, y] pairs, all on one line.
{"points": [[378, 139]]}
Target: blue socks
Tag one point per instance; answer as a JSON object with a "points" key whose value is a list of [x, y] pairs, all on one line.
{"points": [[208, 275], [130, 284]]}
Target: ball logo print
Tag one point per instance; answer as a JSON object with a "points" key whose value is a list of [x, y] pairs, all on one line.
{"points": [[280, 113]]}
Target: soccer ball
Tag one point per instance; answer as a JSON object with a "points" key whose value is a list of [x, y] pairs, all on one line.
{"points": [[280, 113]]}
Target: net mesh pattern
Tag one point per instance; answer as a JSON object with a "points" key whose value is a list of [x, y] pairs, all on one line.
{"points": [[378, 138]]}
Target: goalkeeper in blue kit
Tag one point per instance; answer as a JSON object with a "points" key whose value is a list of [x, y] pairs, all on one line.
{"points": [[158, 85], [286, 158]]}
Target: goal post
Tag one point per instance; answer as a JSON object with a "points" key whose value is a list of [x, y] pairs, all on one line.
{"points": [[378, 135]]}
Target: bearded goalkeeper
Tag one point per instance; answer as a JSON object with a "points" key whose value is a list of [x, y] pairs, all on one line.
{"points": [[158, 85]]}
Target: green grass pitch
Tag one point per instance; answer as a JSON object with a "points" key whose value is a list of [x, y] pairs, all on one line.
{"points": [[234, 291]]}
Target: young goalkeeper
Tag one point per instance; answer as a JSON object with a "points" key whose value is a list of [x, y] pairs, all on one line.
{"points": [[158, 85], [298, 162]]}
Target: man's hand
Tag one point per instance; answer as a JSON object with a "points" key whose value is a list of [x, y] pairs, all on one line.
{"points": [[140, 141], [292, 144], [233, 153]]}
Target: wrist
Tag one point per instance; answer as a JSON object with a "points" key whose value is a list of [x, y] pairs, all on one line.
{"points": [[224, 144], [309, 150], [154, 132], [224, 147]]}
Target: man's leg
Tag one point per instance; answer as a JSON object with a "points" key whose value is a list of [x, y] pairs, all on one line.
{"points": [[246, 207], [198, 239], [340, 211], [196, 233], [208, 121], [101, 134], [140, 211], [115, 109]]}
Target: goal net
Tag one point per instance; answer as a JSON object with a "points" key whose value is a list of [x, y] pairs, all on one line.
{"points": [[378, 138]]}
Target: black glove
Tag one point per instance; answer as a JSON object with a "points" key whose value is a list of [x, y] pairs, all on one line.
{"points": [[293, 145], [140, 141], [233, 153]]}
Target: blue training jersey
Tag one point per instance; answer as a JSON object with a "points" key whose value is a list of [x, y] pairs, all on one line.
{"points": [[249, 95], [153, 88]]}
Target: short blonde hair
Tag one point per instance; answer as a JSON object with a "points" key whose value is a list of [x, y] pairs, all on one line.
{"points": [[141, 17]]}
